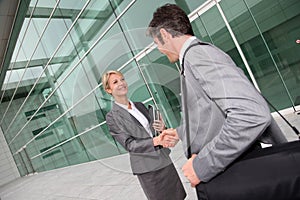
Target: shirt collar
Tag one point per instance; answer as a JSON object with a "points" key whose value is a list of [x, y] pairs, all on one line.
{"points": [[184, 47], [126, 106]]}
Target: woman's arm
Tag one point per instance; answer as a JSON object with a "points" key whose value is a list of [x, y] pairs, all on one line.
{"points": [[127, 140]]}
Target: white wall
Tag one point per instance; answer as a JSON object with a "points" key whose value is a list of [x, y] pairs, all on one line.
{"points": [[8, 168]]}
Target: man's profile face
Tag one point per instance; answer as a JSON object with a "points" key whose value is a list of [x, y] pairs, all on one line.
{"points": [[167, 49]]}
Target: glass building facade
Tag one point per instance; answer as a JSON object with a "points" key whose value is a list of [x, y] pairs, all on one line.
{"points": [[53, 106]]}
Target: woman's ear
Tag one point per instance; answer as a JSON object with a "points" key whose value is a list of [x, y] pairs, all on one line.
{"points": [[108, 90]]}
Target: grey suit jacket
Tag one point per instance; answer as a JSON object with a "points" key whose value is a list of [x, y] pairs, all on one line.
{"points": [[226, 113], [128, 131]]}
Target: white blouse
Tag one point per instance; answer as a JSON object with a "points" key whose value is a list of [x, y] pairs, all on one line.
{"points": [[138, 115]]}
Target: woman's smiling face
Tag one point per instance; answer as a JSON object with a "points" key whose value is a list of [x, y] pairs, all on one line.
{"points": [[117, 85]]}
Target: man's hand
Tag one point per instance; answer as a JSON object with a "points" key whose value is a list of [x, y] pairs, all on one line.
{"points": [[169, 137], [189, 172]]}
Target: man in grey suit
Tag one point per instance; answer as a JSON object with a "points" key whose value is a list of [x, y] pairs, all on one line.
{"points": [[227, 116]]}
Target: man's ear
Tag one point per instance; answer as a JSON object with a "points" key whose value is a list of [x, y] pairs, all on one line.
{"points": [[164, 34]]}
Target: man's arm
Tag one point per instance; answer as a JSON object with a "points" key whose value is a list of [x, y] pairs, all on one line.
{"points": [[246, 113]]}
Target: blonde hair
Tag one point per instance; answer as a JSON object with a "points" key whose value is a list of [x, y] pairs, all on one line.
{"points": [[105, 78]]}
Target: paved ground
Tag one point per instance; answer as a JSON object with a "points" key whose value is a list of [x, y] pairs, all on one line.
{"points": [[107, 179]]}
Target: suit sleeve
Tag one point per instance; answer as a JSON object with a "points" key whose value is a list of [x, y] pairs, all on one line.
{"points": [[246, 113], [129, 142]]}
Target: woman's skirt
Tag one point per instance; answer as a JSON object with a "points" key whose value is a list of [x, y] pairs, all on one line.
{"points": [[162, 184]]}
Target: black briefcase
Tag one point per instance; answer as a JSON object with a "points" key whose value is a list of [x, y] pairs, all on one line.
{"points": [[272, 173]]}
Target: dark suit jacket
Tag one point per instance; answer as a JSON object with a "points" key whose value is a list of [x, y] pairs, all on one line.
{"points": [[129, 132]]}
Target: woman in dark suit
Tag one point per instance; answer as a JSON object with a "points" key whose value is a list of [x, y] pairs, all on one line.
{"points": [[131, 124]]}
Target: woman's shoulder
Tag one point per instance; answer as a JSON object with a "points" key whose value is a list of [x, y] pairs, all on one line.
{"points": [[139, 105], [111, 112]]}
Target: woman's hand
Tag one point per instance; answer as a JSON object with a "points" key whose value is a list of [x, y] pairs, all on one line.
{"points": [[159, 125]]}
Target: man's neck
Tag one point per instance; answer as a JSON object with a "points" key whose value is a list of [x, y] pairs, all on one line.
{"points": [[179, 41]]}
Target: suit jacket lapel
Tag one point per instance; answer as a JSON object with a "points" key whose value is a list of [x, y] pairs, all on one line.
{"points": [[125, 114], [143, 110]]}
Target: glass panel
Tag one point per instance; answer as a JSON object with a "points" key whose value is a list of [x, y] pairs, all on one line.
{"points": [[98, 144], [164, 82], [57, 29], [210, 27], [200, 30], [43, 3], [71, 5], [277, 38], [94, 22], [279, 25], [189, 5], [135, 22], [69, 153], [20, 164]]}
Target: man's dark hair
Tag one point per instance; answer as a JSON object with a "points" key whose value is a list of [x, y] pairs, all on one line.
{"points": [[173, 19]]}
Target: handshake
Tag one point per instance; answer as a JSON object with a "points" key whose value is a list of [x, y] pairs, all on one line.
{"points": [[167, 138]]}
